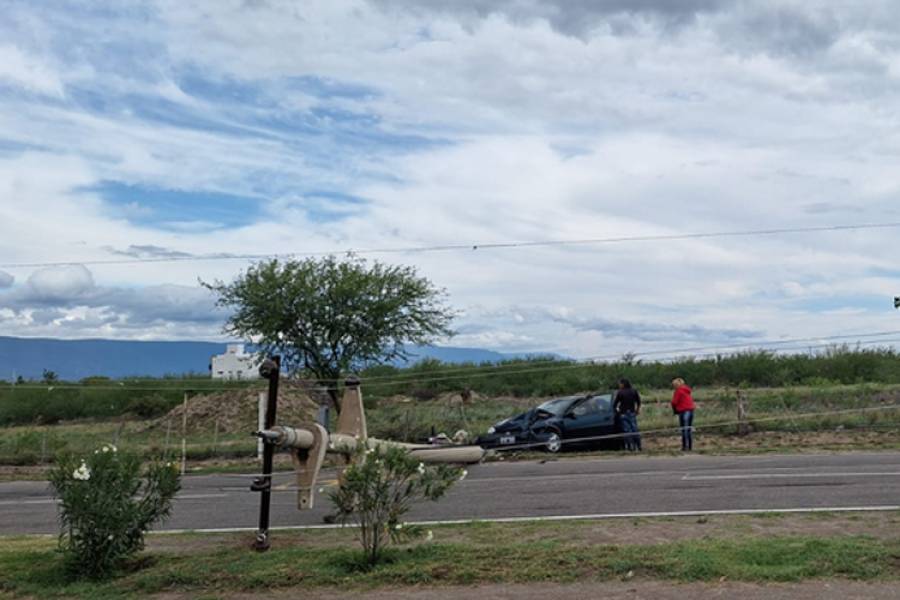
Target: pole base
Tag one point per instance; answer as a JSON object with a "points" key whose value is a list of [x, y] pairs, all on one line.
{"points": [[261, 484], [261, 544]]}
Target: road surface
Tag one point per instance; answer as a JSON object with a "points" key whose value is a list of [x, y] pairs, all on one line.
{"points": [[585, 488]]}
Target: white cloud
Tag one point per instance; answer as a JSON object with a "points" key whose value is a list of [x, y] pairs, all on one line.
{"points": [[60, 283], [17, 68], [455, 123]]}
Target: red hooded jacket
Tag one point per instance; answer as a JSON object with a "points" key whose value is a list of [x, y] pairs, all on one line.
{"points": [[682, 399]]}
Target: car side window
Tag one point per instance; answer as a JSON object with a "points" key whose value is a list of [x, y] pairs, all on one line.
{"points": [[589, 407], [603, 404], [582, 408]]}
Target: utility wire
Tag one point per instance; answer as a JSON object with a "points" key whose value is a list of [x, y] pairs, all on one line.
{"points": [[379, 383], [467, 246], [674, 352], [592, 364], [719, 425]]}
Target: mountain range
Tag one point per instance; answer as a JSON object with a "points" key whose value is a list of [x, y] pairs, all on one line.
{"points": [[72, 360]]}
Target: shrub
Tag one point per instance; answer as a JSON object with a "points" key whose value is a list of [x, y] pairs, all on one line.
{"points": [[148, 407], [377, 490], [106, 507]]}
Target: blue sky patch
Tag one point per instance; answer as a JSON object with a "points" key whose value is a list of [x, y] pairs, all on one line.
{"points": [[178, 209]]}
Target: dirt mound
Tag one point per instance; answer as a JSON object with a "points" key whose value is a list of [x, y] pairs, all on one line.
{"points": [[236, 411]]}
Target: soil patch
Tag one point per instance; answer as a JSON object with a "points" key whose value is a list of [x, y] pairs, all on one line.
{"points": [[613, 590], [236, 411]]}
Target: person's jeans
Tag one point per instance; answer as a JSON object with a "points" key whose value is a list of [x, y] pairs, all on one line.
{"points": [[686, 422], [630, 428]]}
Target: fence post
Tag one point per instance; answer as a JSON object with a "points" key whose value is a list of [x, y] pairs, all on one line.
{"points": [[216, 439], [184, 434], [743, 427]]}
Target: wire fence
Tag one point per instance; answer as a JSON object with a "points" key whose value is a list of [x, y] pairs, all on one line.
{"points": [[217, 427]]}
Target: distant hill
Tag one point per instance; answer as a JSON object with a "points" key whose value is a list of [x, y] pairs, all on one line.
{"points": [[75, 359]]}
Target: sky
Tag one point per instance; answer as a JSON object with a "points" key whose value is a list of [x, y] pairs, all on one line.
{"points": [[173, 129]]}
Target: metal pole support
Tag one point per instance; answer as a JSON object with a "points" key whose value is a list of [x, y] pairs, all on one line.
{"points": [[271, 370]]}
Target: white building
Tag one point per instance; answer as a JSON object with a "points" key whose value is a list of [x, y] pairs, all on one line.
{"points": [[235, 364]]}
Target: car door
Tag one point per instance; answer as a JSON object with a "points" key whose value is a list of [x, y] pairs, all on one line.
{"points": [[589, 417], [606, 416]]}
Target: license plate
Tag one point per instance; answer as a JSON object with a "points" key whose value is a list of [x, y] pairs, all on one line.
{"points": [[507, 439]]}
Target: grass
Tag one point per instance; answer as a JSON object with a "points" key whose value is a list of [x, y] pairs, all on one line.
{"points": [[463, 555]]}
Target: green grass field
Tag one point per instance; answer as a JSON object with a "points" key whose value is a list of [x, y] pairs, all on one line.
{"points": [[754, 549]]}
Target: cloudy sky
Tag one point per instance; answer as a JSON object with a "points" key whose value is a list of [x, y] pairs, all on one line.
{"points": [[171, 128]]}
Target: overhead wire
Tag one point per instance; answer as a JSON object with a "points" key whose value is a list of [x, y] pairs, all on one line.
{"points": [[515, 369], [469, 246], [678, 429], [498, 368]]}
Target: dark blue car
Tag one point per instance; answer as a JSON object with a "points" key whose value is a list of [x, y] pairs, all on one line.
{"points": [[551, 424]]}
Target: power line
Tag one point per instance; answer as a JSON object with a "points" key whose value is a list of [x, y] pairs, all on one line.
{"points": [[515, 369], [674, 352], [588, 365], [714, 425], [471, 246]]}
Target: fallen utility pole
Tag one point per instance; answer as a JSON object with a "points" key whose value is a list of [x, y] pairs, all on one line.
{"points": [[308, 442]]}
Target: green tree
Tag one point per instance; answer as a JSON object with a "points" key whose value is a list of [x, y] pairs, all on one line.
{"points": [[327, 316], [49, 376]]}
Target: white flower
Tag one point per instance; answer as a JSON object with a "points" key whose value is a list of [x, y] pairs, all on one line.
{"points": [[398, 526], [429, 536], [321, 490], [370, 450], [421, 468], [463, 474], [82, 473], [110, 538]]}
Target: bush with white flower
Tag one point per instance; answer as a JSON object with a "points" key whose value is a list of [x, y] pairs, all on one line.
{"points": [[378, 489], [107, 502]]}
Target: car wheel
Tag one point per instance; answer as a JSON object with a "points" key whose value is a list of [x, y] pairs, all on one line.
{"points": [[554, 442]]}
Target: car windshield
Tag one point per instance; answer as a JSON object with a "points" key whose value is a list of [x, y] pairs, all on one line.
{"points": [[556, 407]]}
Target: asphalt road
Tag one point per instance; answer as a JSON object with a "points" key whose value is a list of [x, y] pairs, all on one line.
{"points": [[556, 488]]}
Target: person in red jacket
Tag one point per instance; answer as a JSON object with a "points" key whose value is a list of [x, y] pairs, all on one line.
{"points": [[683, 406]]}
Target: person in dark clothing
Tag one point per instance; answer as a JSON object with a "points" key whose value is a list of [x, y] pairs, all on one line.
{"points": [[683, 406], [627, 407]]}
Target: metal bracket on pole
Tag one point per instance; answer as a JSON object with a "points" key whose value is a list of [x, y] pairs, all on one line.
{"points": [[307, 462]]}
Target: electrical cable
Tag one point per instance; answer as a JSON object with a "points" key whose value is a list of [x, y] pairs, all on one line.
{"points": [[453, 247], [401, 381]]}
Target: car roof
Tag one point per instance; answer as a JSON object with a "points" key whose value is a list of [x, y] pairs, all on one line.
{"points": [[569, 399]]}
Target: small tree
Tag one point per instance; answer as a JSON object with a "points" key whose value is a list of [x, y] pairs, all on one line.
{"points": [[49, 376], [106, 507], [377, 491], [327, 316]]}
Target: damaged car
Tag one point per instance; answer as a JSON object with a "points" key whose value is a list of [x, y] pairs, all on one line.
{"points": [[566, 421]]}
